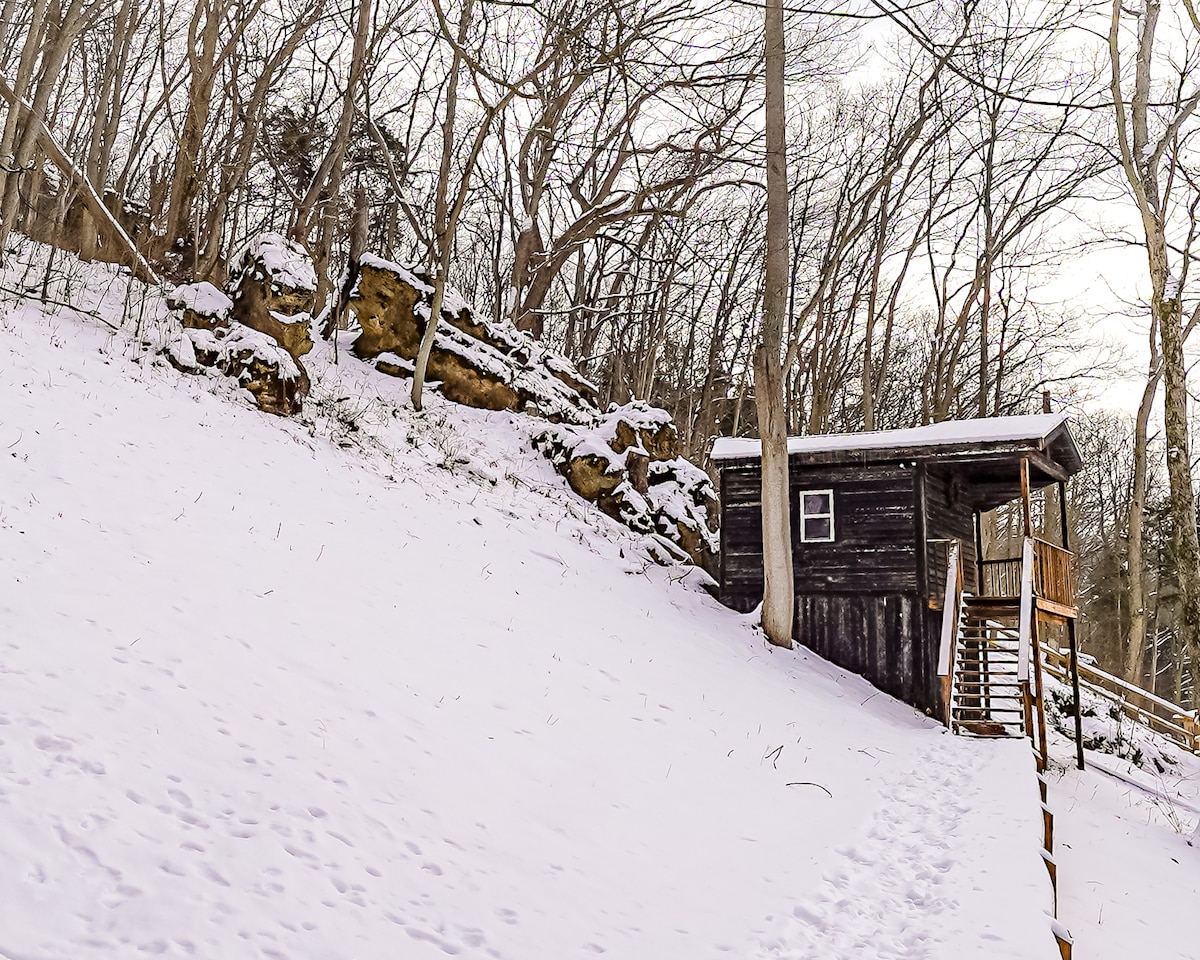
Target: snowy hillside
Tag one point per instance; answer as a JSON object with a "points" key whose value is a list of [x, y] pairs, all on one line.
{"points": [[374, 684]]}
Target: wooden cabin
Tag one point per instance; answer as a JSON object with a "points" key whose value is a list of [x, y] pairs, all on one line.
{"points": [[885, 525]]}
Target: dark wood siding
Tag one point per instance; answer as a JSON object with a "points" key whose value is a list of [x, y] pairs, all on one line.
{"points": [[874, 548], [870, 600], [741, 538], [880, 637], [858, 598], [950, 517]]}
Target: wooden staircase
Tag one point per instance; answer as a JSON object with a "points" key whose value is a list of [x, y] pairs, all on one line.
{"points": [[991, 677], [990, 674], [987, 695]]}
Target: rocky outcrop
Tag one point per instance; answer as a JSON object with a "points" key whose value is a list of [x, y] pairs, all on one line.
{"points": [[201, 306], [273, 290], [257, 362], [475, 362], [638, 425], [627, 464], [213, 340]]}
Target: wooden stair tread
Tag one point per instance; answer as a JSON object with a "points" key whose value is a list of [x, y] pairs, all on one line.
{"points": [[1006, 681]]}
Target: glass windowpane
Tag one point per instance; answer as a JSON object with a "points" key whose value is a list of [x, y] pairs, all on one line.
{"points": [[816, 528], [816, 503]]}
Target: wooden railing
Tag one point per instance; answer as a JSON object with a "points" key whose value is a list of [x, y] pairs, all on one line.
{"points": [[951, 607], [1053, 575], [1001, 578], [1164, 717]]}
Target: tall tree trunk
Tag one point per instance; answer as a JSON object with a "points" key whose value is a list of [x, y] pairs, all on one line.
{"points": [[1141, 158], [1135, 560], [443, 229], [10, 178], [203, 34], [778, 608], [319, 204], [62, 26], [1184, 540]]}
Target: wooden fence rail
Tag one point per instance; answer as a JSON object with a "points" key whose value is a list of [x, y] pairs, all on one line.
{"points": [[1053, 573], [1001, 578], [1164, 717]]}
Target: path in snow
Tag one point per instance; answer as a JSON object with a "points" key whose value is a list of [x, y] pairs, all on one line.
{"points": [[910, 888]]}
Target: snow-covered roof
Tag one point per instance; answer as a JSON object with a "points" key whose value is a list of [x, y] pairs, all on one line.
{"points": [[1033, 428]]}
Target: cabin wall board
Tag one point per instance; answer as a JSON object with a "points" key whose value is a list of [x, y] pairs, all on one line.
{"points": [[741, 538], [949, 517], [882, 638], [873, 550]]}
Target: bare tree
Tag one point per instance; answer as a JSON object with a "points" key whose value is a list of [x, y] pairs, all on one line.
{"points": [[778, 611], [1151, 163]]}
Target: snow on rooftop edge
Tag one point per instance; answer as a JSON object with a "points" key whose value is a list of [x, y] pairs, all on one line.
{"points": [[981, 430]]}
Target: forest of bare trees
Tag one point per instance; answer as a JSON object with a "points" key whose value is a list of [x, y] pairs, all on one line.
{"points": [[592, 171]]}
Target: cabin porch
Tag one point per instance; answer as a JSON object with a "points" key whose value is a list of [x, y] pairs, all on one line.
{"points": [[998, 615], [1053, 579]]}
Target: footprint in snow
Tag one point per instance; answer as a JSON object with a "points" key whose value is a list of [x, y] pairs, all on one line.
{"points": [[180, 797], [884, 889]]}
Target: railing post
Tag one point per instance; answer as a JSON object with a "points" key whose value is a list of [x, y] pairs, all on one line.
{"points": [[1025, 624], [1191, 724], [1027, 647], [1073, 644], [949, 628]]}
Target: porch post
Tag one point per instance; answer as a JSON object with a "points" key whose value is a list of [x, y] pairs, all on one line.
{"points": [[1026, 507], [1066, 542], [978, 554]]}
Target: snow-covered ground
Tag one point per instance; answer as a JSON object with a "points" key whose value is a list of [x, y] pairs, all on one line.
{"points": [[1129, 881], [374, 684]]}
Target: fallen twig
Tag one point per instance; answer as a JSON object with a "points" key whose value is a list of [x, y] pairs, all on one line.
{"points": [[809, 783]]}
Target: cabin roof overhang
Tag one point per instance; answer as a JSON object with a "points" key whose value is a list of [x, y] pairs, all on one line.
{"points": [[984, 455]]}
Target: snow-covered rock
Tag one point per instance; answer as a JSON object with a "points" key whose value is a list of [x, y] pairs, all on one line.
{"points": [[273, 290], [638, 424], [255, 360], [259, 331], [627, 464], [202, 305]]}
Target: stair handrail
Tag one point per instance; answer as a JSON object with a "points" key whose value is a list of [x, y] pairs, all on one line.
{"points": [[1025, 622], [950, 610]]}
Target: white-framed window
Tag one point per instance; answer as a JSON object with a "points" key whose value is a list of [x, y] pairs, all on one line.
{"points": [[816, 516]]}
